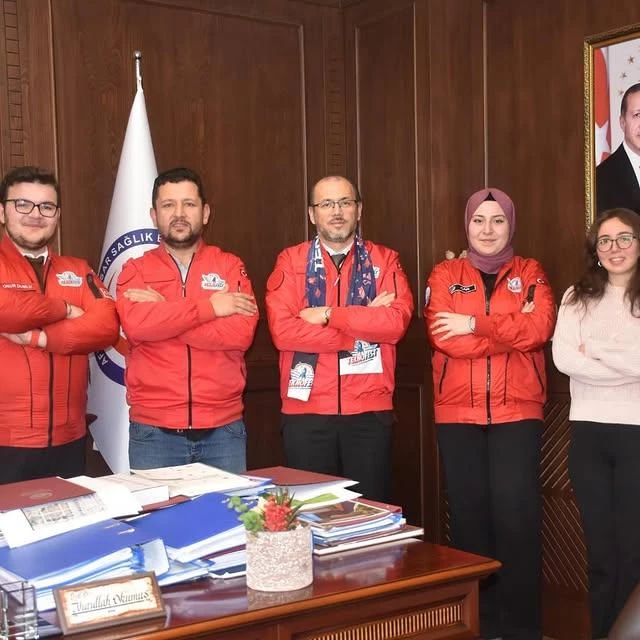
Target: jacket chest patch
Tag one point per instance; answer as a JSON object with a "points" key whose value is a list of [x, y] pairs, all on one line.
{"points": [[18, 285], [376, 272], [212, 282], [514, 284], [69, 279], [462, 288]]}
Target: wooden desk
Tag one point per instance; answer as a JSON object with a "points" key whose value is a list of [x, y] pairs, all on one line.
{"points": [[407, 589]]}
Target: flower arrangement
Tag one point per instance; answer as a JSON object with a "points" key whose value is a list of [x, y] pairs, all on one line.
{"points": [[273, 512]]}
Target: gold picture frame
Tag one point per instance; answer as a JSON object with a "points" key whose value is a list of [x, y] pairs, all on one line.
{"points": [[615, 41]]}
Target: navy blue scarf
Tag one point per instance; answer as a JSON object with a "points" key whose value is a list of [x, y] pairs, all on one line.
{"points": [[362, 288]]}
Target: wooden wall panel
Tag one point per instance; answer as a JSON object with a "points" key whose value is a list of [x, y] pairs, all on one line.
{"points": [[415, 142], [535, 152]]}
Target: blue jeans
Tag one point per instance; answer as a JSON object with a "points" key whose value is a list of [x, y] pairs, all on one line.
{"points": [[224, 447]]}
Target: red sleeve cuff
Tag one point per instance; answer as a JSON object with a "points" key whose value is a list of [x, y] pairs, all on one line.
{"points": [[483, 325]]}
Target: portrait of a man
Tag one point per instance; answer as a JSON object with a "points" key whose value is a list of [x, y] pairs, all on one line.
{"points": [[617, 125]]}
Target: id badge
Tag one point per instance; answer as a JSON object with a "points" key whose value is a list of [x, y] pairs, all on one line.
{"points": [[365, 358]]}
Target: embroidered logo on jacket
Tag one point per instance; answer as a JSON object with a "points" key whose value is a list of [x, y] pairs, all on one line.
{"points": [[514, 284], [69, 279], [18, 285], [376, 272], [462, 288], [212, 282]]}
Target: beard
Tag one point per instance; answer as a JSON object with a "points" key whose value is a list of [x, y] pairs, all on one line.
{"points": [[338, 237], [176, 240], [30, 244]]}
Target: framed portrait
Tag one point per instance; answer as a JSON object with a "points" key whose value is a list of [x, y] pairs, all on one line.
{"points": [[612, 121]]}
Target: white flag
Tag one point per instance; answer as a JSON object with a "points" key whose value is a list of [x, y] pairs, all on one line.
{"points": [[130, 232]]}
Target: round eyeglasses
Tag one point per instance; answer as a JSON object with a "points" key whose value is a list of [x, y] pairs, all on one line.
{"points": [[623, 241], [46, 209]]}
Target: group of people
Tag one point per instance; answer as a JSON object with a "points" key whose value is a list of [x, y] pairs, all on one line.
{"points": [[489, 316], [336, 306]]}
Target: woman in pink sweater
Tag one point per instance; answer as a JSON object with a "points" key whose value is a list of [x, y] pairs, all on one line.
{"points": [[597, 344]]}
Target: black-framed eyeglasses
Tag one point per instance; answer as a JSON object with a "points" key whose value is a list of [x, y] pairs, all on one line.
{"points": [[46, 209], [328, 204], [623, 241]]}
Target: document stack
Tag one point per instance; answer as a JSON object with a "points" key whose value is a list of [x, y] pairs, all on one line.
{"points": [[353, 524]]}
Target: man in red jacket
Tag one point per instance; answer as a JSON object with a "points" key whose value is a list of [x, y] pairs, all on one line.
{"points": [[337, 306], [189, 314], [53, 312]]}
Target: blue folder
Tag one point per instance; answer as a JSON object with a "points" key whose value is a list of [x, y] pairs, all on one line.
{"points": [[71, 556], [195, 528]]}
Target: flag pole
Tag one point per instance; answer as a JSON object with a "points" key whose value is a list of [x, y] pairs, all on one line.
{"points": [[137, 55]]}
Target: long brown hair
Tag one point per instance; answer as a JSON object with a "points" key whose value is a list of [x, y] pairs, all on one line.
{"points": [[592, 284]]}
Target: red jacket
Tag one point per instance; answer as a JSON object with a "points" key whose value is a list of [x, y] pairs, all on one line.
{"points": [[44, 391], [286, 297], [185, 367], [496, 374]]}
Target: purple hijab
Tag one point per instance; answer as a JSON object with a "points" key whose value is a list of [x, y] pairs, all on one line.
{"points": [[490, 264]]}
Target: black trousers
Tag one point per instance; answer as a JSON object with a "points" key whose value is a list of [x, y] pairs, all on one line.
{"points": [[495, 504], [604, 466], [354, 446], [24, 463]]}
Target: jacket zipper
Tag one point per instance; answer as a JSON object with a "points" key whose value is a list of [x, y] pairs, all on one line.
{"points": [[487, 304], [506, 371], [189, 392], [444, 372], [535, 368], [43, 287], [338, 282]]}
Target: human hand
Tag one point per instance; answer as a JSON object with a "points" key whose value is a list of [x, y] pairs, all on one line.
{"points": [[315, 315], [451, 324], [226, 303], [528, 307], [383, 299], [143, 295]]}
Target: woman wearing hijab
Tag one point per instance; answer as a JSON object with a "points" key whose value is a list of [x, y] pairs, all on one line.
{"points": [[597, 344], [488, 317]]}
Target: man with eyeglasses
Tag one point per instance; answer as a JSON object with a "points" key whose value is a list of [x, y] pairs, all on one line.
{"points": [[337, 306], [54, 311]]}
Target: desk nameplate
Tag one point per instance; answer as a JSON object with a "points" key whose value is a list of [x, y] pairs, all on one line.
{"points": [[106, 603]]}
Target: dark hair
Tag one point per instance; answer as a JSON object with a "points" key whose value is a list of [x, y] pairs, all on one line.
{"points": [[29, 174], [593, 282], [356, 191], [179, 174], [634, 88]]}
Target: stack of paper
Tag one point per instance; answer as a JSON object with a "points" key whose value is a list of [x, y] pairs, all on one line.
{"points": [[144, 491], [353, 523], [38, 509], [196, 478], [309, 488]]}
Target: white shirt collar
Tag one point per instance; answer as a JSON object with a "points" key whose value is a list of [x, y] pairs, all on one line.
{"points": [[28, 254], [333, 252], [634, 158]]}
